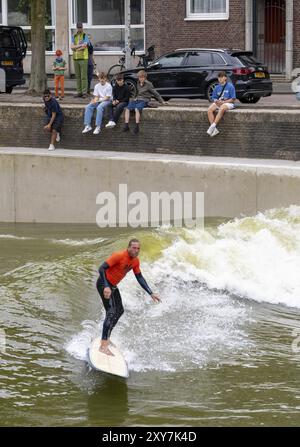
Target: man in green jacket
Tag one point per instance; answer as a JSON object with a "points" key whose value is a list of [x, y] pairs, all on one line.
{"points": [[80, 56]]}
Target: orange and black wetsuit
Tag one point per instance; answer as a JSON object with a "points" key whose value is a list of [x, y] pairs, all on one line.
{"points": [[112, 271]]}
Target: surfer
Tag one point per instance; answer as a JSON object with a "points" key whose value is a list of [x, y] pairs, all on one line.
{"points": [[112, 271]]}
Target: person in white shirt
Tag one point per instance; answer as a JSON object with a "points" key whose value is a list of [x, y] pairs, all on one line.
{"points": [[102, 99]]}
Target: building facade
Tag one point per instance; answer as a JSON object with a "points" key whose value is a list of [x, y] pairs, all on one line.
{"points": [[269, 28]]}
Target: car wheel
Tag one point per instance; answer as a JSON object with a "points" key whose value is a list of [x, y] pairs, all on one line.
{"points": [[210, 89], [249, 99], [132, 85], [166, 98], [9, 90]]}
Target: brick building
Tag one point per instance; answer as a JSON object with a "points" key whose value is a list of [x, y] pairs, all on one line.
{"points": [[271, 28]]}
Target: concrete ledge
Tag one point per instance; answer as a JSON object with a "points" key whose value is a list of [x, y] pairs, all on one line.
{"points": [[61, 186], [273, 134]]}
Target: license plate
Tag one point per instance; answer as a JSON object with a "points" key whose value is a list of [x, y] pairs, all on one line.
{"points": [[259, 75], [7, 63]]}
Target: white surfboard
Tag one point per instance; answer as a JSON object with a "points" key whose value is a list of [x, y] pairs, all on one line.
{"points": [[115, 364]]}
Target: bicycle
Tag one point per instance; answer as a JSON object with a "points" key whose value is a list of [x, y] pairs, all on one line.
{"points": [[144, 60]]}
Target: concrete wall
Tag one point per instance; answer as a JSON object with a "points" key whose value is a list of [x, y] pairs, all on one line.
{"points": [[260, 133], [61, 187]]}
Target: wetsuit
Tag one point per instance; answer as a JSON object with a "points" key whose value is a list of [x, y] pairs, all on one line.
{"points": [[112, 271]]}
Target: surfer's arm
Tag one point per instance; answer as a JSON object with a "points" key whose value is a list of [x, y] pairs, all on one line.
{"points": [[142, 282], [101, 271]]}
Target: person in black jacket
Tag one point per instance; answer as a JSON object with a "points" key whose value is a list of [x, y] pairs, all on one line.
{"points": [[54, 120], [121, 95]]}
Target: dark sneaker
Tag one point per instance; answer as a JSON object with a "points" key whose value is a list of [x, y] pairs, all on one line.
{"points": [[78, 95], [136, 129], [125, 128]]}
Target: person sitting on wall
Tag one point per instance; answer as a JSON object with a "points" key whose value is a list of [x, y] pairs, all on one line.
{"points": [[102, 99], [224, 97], [54, 120], [145, 91], [120, 99]]}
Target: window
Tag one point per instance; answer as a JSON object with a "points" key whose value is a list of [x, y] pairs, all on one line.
{"points": [[18, 13], [80, 11], [104, 21], [218, 59], [207, 9], [6, 39], [171, 60], [201, 59]]}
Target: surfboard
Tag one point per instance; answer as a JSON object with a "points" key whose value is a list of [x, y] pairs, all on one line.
{"points": [[115, 364]]}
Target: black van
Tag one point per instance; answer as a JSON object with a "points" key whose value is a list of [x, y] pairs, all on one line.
{"points": [[13, 48]]}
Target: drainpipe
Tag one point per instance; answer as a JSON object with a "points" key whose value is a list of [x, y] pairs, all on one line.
{"points": [[249, 25], [289, 39], [127, 34]]}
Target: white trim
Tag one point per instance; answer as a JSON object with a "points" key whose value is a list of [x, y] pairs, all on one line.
{"points": [[89, 12], [53, 12], [212, 16], [4, 12]]}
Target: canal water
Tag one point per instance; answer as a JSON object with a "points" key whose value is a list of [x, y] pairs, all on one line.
{"points": [[222, 349]]}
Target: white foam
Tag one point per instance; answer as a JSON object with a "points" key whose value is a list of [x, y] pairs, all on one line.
{"points": [[78, 243]]}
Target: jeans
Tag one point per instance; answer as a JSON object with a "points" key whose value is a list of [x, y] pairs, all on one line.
{"points": [[116, 111], [89, 111]]}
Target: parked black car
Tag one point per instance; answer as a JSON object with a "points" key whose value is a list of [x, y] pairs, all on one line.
{"points": [[13, 48], [192, 73]]}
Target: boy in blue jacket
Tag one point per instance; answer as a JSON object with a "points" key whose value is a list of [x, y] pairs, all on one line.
{"points": [[224, 97]]}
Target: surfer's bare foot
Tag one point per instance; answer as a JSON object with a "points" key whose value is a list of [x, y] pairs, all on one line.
{"points": [[105, 350]]}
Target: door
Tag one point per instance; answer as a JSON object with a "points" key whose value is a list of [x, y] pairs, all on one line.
{"points": [[197, 67], [164, 73], [270, 33]]}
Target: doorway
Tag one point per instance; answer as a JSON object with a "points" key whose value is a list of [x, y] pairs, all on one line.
{"points": [[269, 34]]}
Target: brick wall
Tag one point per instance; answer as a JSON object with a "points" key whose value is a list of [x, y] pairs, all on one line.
{"points": [[296, 33], [243, 133], [167, 29]]}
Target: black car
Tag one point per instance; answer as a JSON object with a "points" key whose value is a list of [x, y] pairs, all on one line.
{"points": [[193, 73], [13, 48]]}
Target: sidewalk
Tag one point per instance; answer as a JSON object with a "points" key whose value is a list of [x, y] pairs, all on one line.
{"points": [[279, 88], [282, 97]]}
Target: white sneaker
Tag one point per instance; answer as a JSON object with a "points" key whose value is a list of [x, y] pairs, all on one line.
{"points": [[211, 129], [57, 139], [97, 130], [51, 147], [87, 129], [215, 132], [110, 124]]}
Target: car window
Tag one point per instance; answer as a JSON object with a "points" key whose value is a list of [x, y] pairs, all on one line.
{"points": [[248, 60], [217, 59], [6, 39], [171, 60], [199, 58]]}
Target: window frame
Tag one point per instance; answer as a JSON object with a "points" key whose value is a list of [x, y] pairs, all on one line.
{"points": [[190, 16], [88, 25], [28, 27]]}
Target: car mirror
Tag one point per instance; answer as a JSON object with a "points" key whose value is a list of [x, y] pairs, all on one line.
{"points": [[155, 66]]}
